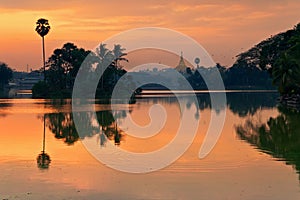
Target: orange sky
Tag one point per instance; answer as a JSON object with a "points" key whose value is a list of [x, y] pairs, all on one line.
{"points": [[224, 28]]}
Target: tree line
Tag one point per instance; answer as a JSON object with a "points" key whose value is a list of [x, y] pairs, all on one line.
{"points": [[280, 56], [63, 65], [237, 77], [273, 63]]}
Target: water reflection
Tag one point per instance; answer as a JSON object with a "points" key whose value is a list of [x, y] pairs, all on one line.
{"points": [[4, 106], [61, 124], [232, 163], [43, 159], [241, 103], [279, 137], [109, 127], [247, 103]]}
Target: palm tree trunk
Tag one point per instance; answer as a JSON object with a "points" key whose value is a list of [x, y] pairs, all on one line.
{"points": [[44, 63], [102, 78]]}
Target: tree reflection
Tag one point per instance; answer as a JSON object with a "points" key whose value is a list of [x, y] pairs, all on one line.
{"points": [[109, 127], [43, 160], [4, 105], [63, 127], [245, 103], [279, 137], [61, 123], [240, 103]]}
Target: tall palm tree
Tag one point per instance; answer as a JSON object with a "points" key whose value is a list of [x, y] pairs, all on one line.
{"points": [[105, 58], [43, 28], [119, 54]]}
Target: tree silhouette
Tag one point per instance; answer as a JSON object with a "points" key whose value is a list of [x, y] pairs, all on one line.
{"points": [[119, 54], [286, 75], [280, 55], [43, 28], [109, 60], [105, 57], [5, 74], [63, 66]]}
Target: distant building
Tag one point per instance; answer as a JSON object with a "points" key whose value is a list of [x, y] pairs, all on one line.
{"points": [[22, 83], [181, 67], [27, 82]]}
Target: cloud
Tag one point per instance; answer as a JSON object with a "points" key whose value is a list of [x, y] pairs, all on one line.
{"points": [[34, 5], [233, 24]]}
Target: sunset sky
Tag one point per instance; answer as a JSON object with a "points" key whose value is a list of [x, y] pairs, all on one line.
{"points": [[223, 28]]}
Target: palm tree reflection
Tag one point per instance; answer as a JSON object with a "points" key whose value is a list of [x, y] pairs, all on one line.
{"points": [[63, 127], [279, 137], [109, 127], [43, 159]]}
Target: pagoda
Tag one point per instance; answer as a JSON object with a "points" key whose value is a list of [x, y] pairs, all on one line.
{"points": [[181, 67]]}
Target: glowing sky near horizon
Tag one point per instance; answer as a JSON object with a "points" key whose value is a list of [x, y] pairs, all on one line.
{"points": [[224, 29]]}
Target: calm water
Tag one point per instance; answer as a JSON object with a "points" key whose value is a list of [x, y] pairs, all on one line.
{"points": [[256, 157]]}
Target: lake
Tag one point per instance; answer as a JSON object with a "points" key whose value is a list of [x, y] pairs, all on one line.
{"points": [[257, 156]]}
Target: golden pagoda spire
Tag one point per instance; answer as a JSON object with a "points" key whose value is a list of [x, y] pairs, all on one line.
{"points": [[181, 67]]}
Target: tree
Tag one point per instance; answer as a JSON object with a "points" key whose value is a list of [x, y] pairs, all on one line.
{"points": [[286, 73], [189, 71], [40, 90], [119, 54], [43, 29], [110, 59], [113, 70], [104, 54], [264, 54], [286, 70], [105, 57], [63, 66], [6, 74]]}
